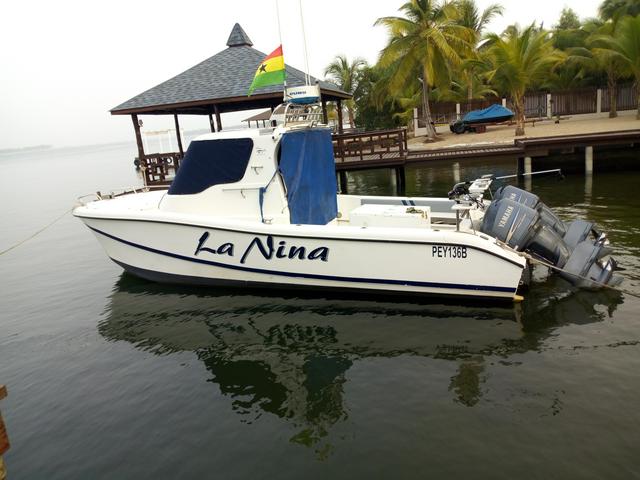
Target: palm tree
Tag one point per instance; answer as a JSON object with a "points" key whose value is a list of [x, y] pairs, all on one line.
{"points": [[427, 40], [520, 59], [624, 46], [345, 75], [471, 18], [602, 59]]}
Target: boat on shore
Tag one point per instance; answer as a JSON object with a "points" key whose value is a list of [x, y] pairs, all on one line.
{"points": [[260, 208]]}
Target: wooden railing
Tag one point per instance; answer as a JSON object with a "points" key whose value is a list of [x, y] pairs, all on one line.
{"points": [[160, 168], [373, 145]]}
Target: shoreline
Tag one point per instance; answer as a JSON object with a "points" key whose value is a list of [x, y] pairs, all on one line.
{"points": [[504, 134]]}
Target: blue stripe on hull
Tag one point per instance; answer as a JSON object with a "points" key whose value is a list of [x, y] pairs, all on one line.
{"points": [[487, 288]]}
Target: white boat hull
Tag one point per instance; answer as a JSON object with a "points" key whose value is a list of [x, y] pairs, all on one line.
{"points": [[310, 257]]}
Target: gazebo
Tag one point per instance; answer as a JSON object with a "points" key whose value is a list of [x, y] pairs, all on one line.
{"points": [[217, 85]]}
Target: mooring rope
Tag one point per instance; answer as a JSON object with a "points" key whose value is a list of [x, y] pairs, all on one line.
{"points": [[36, 233]]}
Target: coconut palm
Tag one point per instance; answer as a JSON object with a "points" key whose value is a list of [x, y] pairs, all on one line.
{"points": [[470, 16], [345, 75], [624, 46], [602, 59], [474, 66], [520, 59], [427, 40]]}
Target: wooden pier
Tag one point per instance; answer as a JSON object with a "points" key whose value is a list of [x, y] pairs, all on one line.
{"points": [[366, 151]]}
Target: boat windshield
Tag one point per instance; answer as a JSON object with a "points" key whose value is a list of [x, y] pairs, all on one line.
{"points": [[212, 162]]}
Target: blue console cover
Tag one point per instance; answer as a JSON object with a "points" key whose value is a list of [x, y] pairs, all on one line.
{"points": [[308, 169]]}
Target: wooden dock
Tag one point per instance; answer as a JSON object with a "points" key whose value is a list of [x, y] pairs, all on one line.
{"points": [[520, 148], [367, 151]]}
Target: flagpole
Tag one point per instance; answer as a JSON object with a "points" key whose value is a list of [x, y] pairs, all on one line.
{"points": [[284, 89], [307, 75]]}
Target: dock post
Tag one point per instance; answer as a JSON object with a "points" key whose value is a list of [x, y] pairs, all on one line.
{"points": [[4, 438], [342, 175], [527, 165], [520, 166], [588, 160], [456, 172], [400, 180], [527, 171]]}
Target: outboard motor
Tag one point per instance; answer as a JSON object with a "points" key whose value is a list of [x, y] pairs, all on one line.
{"points": [[533, 201], [519, 219]]}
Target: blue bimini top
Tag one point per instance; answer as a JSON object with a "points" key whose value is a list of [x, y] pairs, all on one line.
{"points": [[493, 113], [308, 169]]}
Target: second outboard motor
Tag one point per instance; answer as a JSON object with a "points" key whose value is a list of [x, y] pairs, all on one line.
{"points": [[533, 201], [523, 222], [521, 228]]}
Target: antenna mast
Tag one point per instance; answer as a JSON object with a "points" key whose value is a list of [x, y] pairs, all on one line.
{"points": [[307, 76], [284, 90]]}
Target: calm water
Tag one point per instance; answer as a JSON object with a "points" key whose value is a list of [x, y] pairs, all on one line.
{"points": [[114, 377]]}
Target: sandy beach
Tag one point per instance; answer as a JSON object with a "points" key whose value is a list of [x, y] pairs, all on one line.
{"points": [[504, 134]]}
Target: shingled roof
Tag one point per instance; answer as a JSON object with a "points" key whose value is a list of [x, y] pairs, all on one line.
{"points": [[222, 80]]}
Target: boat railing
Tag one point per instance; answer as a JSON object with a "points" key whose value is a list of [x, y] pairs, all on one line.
{"points": [[303, 115], [117, 192]]}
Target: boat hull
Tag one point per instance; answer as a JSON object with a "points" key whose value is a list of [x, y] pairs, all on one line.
{"points": [[300, 257]]}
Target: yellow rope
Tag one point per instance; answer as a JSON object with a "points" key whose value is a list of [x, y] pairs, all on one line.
{"points": [[35, 234]]}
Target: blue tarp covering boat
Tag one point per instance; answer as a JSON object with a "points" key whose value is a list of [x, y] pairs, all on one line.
{"points": [[494, 113]]}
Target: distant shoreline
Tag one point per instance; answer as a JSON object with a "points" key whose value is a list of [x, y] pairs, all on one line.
{"points": [[25, 149]]}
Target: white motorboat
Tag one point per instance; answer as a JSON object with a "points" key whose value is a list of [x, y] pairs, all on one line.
{"points": [[261, 208]]}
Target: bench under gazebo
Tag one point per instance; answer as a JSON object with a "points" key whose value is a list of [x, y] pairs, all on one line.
{"points": [[217, 85]]}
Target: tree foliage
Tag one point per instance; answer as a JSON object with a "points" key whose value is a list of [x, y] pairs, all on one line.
{"points": [[521, 58], [439, 50]]}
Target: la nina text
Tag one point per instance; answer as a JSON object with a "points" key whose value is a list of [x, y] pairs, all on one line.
{"points": [[269, 248]]}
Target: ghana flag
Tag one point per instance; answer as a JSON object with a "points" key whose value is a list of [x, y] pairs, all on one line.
{"points": [[270, 72]]}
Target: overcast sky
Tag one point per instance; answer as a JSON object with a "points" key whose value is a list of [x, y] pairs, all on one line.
{"points": [[65, 63]]}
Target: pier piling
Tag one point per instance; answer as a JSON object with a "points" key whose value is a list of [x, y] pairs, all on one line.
{"points": [[401, 180], [456, 172], [342, 177], [527, 166], [588, 160]]}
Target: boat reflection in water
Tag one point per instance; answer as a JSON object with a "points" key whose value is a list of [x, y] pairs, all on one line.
{"points": [[289, 356]]}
